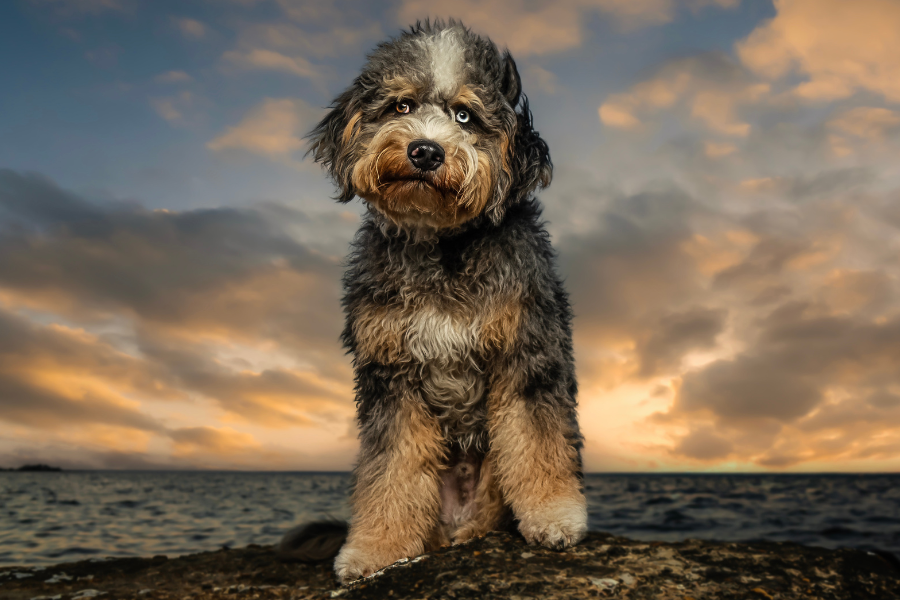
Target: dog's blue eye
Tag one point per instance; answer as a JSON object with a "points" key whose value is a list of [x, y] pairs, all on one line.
{"points": [[462, 116]]}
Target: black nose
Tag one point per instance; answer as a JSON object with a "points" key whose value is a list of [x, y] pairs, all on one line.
{"points": [[425, 155]]}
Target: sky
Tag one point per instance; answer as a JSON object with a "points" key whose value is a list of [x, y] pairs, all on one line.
{"points": [[725, 205]]}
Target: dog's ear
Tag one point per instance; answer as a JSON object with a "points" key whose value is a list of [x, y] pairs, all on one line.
{"points": [[332, 141], [530, 161], [511, 83], [527, 162]]}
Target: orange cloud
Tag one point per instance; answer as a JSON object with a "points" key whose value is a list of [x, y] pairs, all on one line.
{"points": [[839, 47], [866, 122], [294, 42], [708, 88], [190, 441], [245, 332], [528, 28], [272, 129], [269, 60]]}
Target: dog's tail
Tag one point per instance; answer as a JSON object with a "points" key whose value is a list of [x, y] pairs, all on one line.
{"points": [[313, 542]]}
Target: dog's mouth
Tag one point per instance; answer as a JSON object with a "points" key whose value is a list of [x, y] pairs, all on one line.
{"points": [[415, 181]]}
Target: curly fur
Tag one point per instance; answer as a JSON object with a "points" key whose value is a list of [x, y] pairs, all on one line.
{"points": [[458, 324]]}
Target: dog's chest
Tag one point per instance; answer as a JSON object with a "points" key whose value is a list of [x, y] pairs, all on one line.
{"points": [[447, 347], [447, 314], [436, 321]]}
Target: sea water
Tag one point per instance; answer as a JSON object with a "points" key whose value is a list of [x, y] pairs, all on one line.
{"points": [[47, 518]]}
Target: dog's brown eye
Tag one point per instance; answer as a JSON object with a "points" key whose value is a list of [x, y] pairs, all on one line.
{"points": [[403, 107]]}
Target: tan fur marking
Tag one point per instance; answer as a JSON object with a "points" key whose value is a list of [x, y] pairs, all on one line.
{"points": [[402, 88], [350, 130], [379, 334], [504, 155], [467, 96], [396, 499], [501, 326], [536, 467]]}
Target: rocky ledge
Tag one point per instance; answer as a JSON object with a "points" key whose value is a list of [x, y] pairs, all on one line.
{"points": [[496, 566]]}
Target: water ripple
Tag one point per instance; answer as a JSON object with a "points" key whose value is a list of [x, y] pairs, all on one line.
{"points": [[47, 518]]}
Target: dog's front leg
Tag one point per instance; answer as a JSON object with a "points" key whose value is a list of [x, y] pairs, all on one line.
{"points": [[535, 449], [396, 496]]}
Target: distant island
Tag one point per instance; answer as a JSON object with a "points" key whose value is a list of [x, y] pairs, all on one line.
{"points": [[40, 467]]}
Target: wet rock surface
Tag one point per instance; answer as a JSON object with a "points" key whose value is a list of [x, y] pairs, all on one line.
{"points": [[496, 566]]}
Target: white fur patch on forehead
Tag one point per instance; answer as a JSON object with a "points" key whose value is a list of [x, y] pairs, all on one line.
{"points": [[448, 61]]}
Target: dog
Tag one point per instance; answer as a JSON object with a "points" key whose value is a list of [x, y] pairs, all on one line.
{"points": [[457, 322]]}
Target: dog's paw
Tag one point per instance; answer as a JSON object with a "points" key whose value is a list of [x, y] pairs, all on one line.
{"points": [[361, 560], [354, 563], [558, 524]]}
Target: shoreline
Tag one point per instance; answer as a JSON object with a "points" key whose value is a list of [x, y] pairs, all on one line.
{"points": [[495, 566]]}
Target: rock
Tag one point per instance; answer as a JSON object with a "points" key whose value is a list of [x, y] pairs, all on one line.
{"points": [[496, 566]]}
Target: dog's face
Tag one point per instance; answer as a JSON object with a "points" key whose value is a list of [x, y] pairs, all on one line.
{"points": [[429, 134]]}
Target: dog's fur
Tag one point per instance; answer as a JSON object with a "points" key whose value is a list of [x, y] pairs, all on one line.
{"points": [[458, 324]]}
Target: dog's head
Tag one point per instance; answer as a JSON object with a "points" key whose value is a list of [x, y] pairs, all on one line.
{"points": [[434, 131]]}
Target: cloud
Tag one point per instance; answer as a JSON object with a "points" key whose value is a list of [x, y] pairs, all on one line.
{"points": [[866, 122], [539, 78], [632, 282], [861, 126], [273, 397], [269, 60], [222, 306], [674, 335], [272, 129], [718, 149], [528, 28], [190, 28], [682, 245], [173, 108], [809, 377], [191, 441], [340, 37], [541, 30], [173, 77], [839, 48], [703, 443], [286, 47], [708, 89], [54, 377]]}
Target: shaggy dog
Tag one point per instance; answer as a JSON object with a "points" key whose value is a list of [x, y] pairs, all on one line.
{"points": [[458, 324]]}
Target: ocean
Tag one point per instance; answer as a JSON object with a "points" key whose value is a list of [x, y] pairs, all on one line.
{"points": [[47, 518]]}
